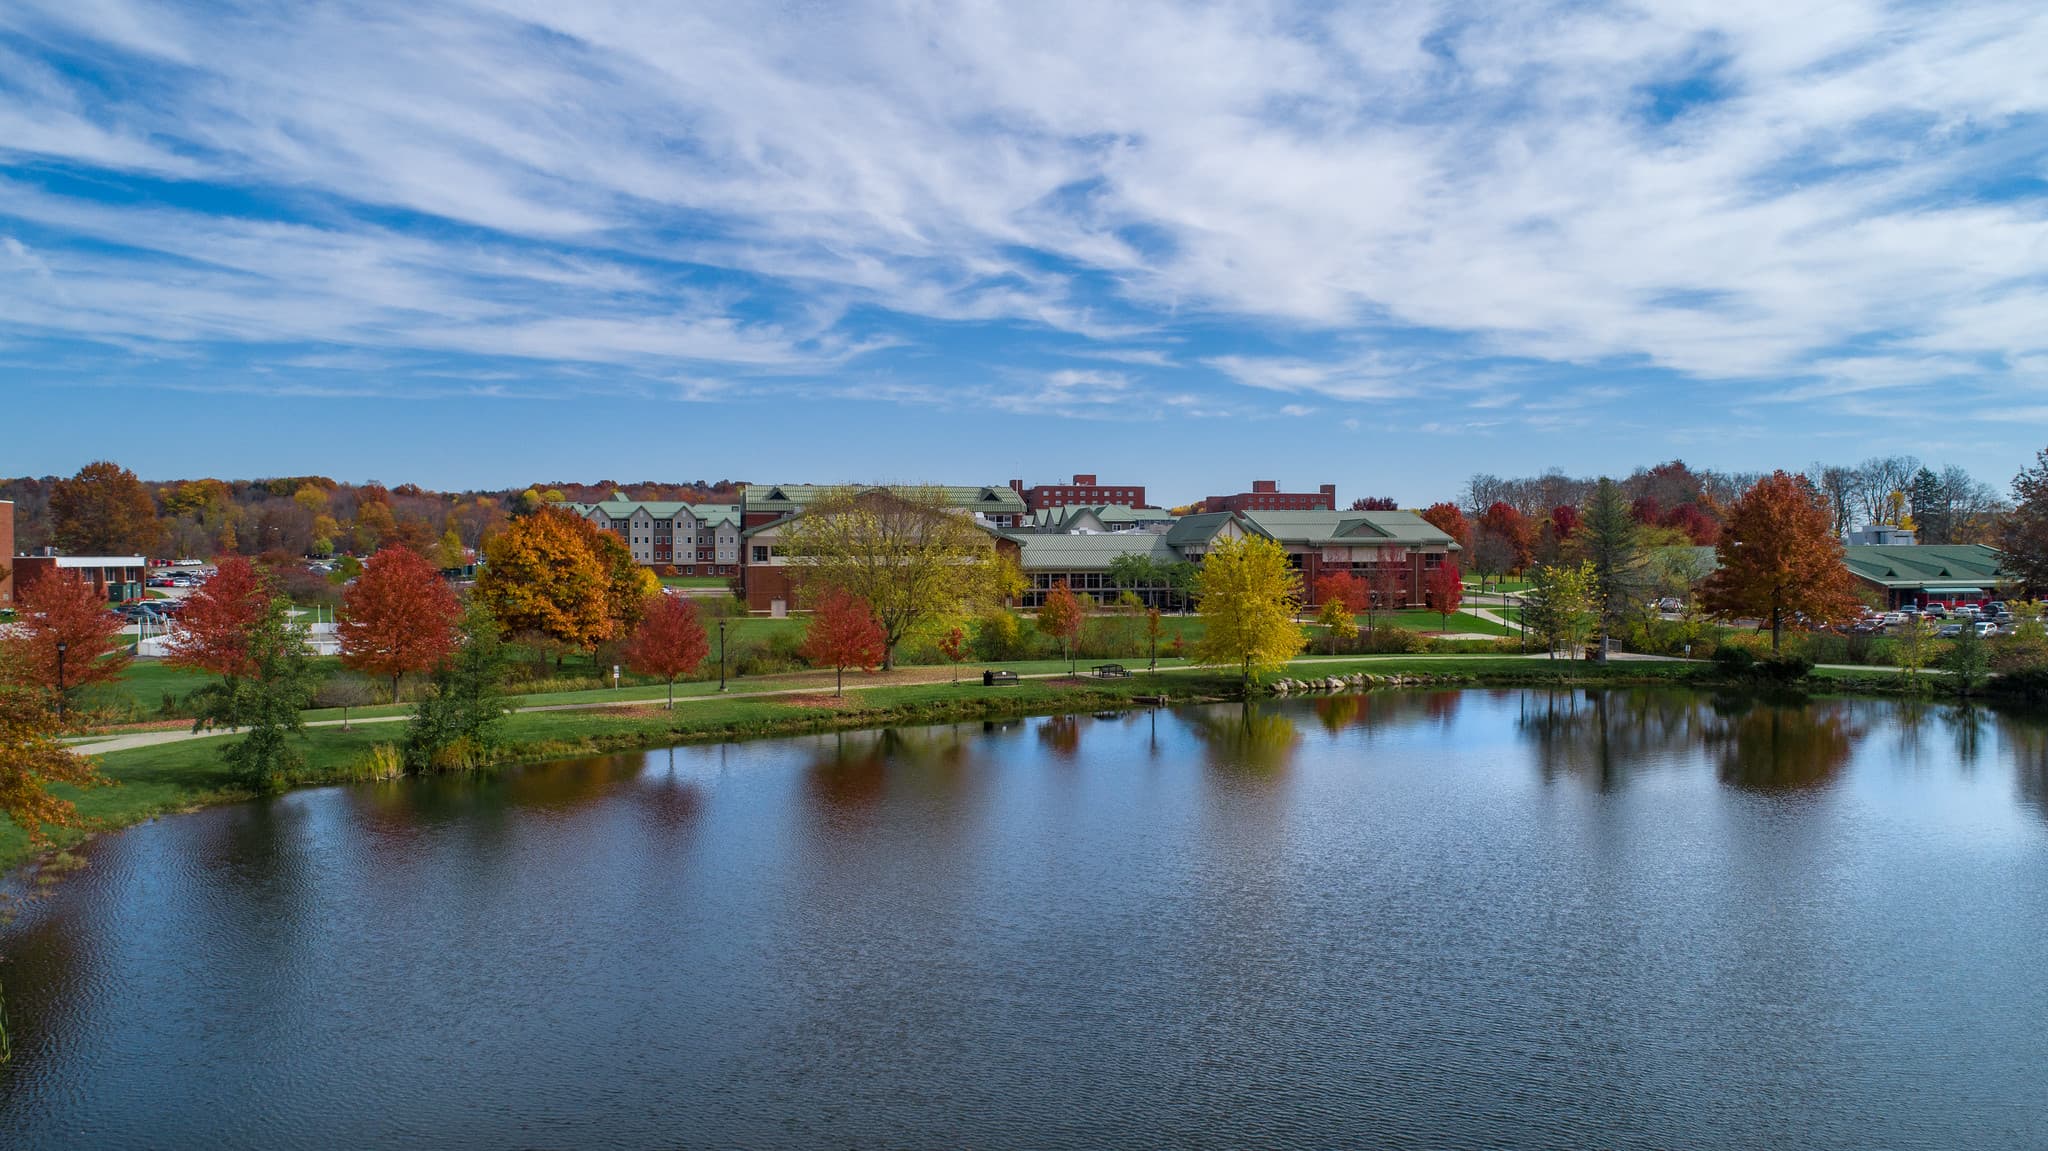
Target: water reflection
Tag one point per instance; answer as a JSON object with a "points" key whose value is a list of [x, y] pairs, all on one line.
{"points": [[1774, 747], [1603, 736], [1253, 738]]}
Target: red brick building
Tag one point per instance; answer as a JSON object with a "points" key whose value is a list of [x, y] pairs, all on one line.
{"points": [[1266, 496], [115, 579], [1083, 491]]}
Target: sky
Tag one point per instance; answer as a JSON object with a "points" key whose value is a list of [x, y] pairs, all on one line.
{"points": [[1185, 245]]}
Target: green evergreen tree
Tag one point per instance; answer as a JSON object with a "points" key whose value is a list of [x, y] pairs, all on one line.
{"points": [[1608, 539]]}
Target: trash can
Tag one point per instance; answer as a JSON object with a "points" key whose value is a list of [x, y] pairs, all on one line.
{"points": [[988, 679]]}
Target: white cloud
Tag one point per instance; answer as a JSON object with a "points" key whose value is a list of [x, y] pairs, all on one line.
{"points": [[1098, 169]]}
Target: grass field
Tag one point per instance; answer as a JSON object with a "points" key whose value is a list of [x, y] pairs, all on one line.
{"points": [[695, 581]]}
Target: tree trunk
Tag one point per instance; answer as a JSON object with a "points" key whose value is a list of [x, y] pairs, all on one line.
{"points": [[394, 687], [839, 678], [671, 693]]}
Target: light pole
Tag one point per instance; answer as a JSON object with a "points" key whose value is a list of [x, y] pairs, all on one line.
{"points": [[62, 647], [721, 654]]}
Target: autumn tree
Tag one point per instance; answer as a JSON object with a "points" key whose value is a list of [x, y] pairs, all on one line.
{"points": [[1509, 530], [540, 574], [1445, 586], [1347, 589], [668, 643], [104, 510], [60, 610], [2024, 536], [1337, 621], [1448, 519], [905, 552], [1558, 607], [1249, 595], [1779, 559], [1061, 617], [212, 634], [953, 645], [627, 585], [32, 757], [1374, 504], [844, 633], [398, 619]]}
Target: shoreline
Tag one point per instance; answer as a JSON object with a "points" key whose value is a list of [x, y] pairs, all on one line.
{"points": [[171, 778]]}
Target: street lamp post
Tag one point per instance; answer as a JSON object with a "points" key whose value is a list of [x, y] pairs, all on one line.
{"points": [[62, 647], [721, 654]]}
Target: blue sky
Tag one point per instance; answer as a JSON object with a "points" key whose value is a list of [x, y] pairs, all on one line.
{"points": [[1383, 246]]}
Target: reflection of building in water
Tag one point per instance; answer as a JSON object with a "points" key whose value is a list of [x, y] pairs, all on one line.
{"points": [[1767, 747]]}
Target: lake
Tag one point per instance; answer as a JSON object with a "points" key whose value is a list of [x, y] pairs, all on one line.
{"points": [[1405, 919]]}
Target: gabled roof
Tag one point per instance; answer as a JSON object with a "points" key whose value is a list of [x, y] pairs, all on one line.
{"points": [[1317, 529], [1200, 528], [994, 499], [1089, 553], [1928, 565], [659, 509]]}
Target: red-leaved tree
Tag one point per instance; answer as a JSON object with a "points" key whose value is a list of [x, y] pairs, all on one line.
{"points": [[1061, 617], [669, 643], [1345, 588], [60, 609], [398, 619], [213, 630], [1445, 585], [844, 633], [954, 647], [1446, 518]]}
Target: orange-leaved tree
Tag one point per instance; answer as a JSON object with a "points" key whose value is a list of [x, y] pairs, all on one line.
{"points": [[399, 617], [60, 610], [104, 510], [1780, 559], [844, 633], [542, 574], [32, 758], [1061, 618], [1346, 589], [1446, 518], [1445, 586], [669, 642], [213, 631]]}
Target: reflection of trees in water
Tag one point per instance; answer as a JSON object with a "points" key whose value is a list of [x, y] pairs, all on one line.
{"points": [[851, 769], [570, 783], [1603, 735], [1250, 738], [2026, 736], [1966, 726], [1380, 710], [667, 800], [1061, 735], [1772, 747], [1337, 712]]}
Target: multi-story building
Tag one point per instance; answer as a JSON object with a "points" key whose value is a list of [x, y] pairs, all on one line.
{"points": [[1391, 552], [1083, 490], [1266, 496], [766, 508], [694, 539]]}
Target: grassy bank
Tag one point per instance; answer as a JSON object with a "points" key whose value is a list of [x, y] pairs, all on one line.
{"points": [[184, 775]]}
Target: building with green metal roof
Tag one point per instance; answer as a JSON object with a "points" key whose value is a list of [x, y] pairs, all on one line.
{"points": [[1923, 573]]}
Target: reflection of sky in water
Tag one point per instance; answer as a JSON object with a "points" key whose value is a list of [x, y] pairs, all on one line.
{"points": [[1492, 917]]}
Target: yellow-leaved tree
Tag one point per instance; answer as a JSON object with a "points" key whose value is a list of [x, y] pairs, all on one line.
{"points": [[541, 574], [1249, 596]]}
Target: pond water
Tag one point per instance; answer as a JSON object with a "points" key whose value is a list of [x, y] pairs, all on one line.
{"points": [[1477, 919]]}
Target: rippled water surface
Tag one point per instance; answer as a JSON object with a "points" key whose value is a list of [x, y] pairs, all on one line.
{"points": [[1415, 920]]}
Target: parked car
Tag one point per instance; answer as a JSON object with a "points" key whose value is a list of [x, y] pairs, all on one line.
{"points": [[1948, 631], [1892, 617], [1967, 609], [1985, 627], [1670, 604]]}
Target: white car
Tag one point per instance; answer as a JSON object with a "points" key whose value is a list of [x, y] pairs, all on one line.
{"points": [[1985, 627]]}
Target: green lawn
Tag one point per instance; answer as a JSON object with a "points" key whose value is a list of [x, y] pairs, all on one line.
{"points": [[696, 581]]}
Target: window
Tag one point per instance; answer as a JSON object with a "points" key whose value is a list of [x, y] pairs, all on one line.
{"points": [[760, 553]]}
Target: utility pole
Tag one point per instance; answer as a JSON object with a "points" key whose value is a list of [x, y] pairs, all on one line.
{"points": [[721, 653]]}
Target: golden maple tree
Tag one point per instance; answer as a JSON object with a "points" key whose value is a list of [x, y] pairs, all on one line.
{"points": [[1249, 595], [541, 574]]}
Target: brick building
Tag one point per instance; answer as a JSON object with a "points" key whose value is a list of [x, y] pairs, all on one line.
{"points": [[1266, 496], [1082, 491], [116, 579], [765, 580], [695, 539]]}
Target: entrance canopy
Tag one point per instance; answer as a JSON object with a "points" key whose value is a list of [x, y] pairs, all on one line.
{"points": [[1955, 591]]}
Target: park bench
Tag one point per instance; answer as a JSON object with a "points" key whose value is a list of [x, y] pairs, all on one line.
{"points": [[1111, 671], [998, 678]]}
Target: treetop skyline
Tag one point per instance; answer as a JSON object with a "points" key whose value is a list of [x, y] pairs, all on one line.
{"points": [[469, 243]]}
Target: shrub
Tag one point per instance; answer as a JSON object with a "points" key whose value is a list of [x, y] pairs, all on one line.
{"points": [[1390, 640]]}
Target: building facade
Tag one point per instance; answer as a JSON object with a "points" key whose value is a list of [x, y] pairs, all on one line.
{"points": [[1917, 574], [1083, 490], [766, 509], [116, 579], [1266, 496], [694, 539]]}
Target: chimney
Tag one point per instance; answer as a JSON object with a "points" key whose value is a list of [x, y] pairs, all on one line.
{"points": [[1265, 486], [1017, 486], [1088, 481], [1329, 490]]}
